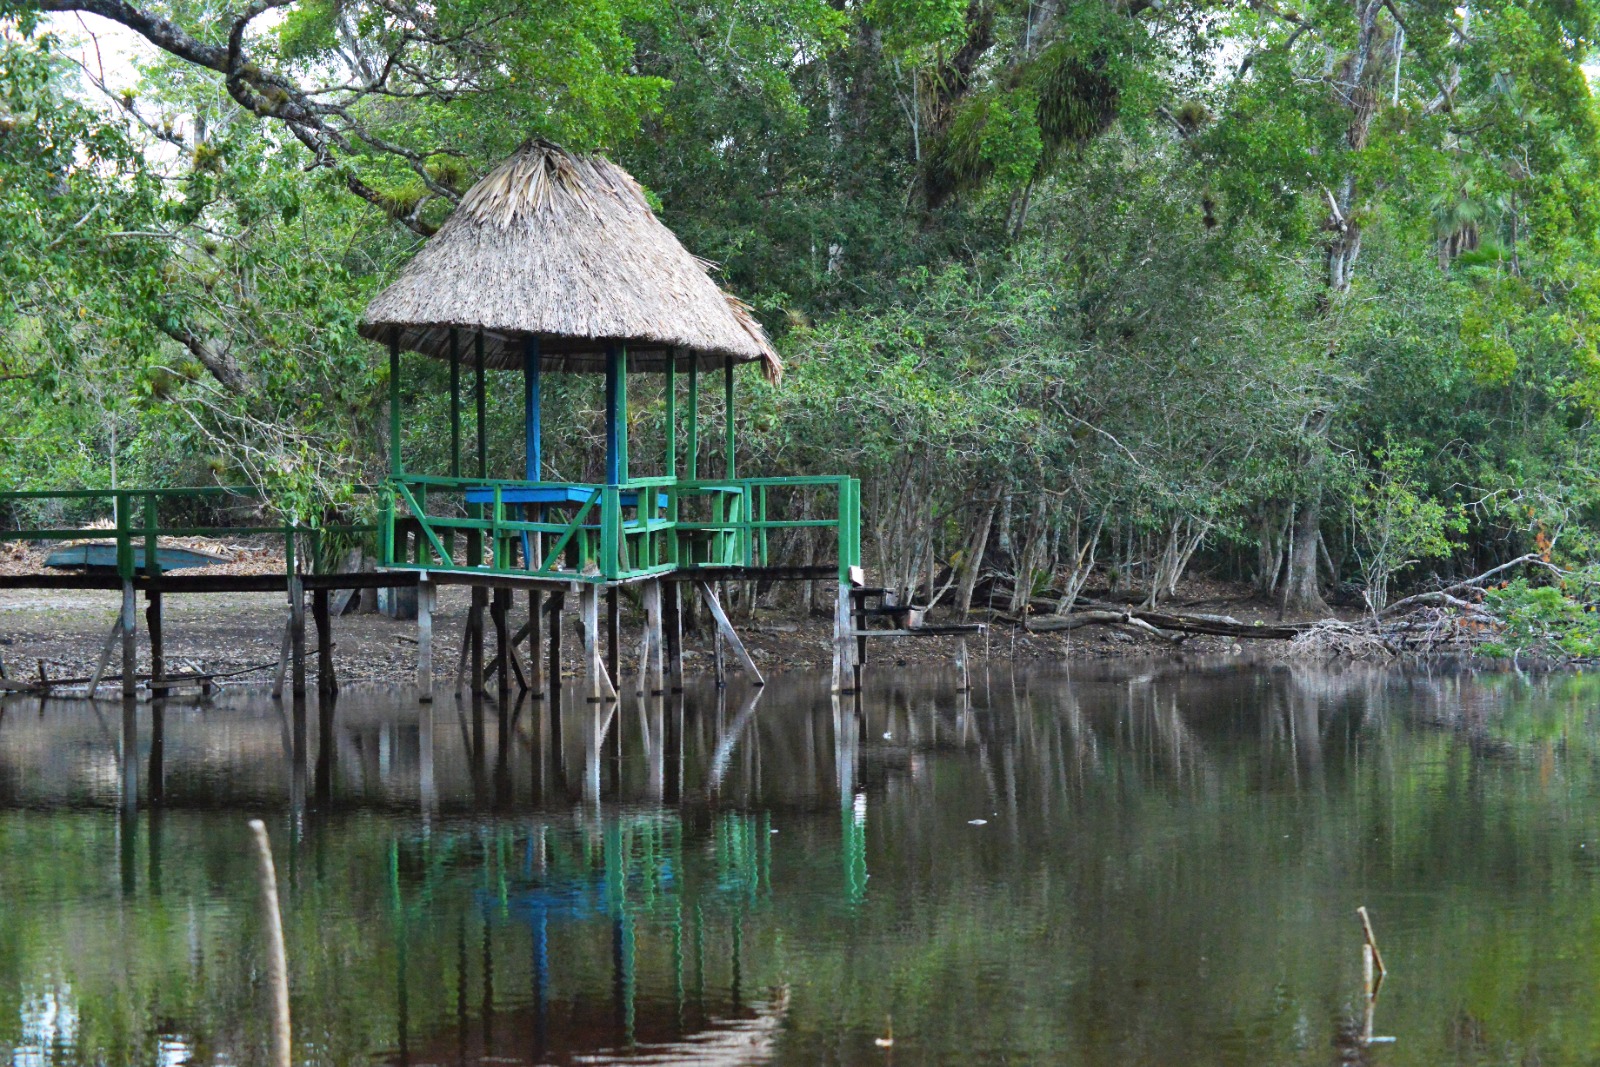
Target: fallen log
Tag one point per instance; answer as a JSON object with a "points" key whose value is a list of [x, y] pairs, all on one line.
{"points": [[1213, 625]]}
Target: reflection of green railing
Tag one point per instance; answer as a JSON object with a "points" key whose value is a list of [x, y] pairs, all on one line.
{"points": [[600, 533], [136, 518]]}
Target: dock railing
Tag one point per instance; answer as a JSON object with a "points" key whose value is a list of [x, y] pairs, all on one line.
{"points": [[136, 517], [608, 533]]}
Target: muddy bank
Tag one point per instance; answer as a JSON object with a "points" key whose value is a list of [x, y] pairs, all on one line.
{"points": [[225, 633]]}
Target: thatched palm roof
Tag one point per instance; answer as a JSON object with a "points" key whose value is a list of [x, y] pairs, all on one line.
{"points": [[564, 248]]}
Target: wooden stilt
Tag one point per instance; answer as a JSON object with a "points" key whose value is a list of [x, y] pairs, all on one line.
{"points": [[651, 667], [719, 660], [327, 683], [558, 601], [158, 655], [596, 675], [963, 678], [841, 638], [284, 650], [130, 643], [112, 640], [297, 622], [536, 642], [672, 621], [613, 632], [726, 630], [427, 596], [500, 607]]}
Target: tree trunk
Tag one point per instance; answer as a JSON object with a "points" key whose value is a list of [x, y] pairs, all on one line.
{"points": [[1302, 595]]}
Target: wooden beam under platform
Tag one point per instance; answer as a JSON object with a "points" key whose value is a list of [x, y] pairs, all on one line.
{"points": [[214, 583]]}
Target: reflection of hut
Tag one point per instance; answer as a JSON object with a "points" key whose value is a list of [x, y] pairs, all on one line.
{"points": [[555, 263]]}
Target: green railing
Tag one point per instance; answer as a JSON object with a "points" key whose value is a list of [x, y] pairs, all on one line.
{"points": [[136, 519], [607, 533]]}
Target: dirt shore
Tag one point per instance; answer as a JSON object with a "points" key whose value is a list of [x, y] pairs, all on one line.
{"points": [[226, 633]]}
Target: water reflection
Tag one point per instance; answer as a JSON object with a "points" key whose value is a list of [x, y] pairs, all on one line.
{"points": [[1155, 866]]}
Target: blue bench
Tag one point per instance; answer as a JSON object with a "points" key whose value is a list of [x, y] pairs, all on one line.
{"points": [[552, 494]]}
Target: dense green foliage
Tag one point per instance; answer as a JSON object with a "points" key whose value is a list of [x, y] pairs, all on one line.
{"points": [[1068, 283]]}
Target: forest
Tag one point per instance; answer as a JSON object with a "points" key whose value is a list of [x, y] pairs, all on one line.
{"points": [[1297, 293]]}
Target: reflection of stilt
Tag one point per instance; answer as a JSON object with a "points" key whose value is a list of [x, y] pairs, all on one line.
{"points": [[852, 806], [130, 756], [655, 735], [427, 601], [129, 823], [674, 750], [425, 785], [327, 751], [299, 744], [722, 756], [156, 790]]}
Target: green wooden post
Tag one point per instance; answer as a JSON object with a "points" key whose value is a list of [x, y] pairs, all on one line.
{"points": [[455, 405], [395, 469], [727, 406], [152, 566], [694, 419], [671, 386], [122, 504]]}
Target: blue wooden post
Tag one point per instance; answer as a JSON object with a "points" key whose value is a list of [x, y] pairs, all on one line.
{"points": [[616, 416], [530, 407]]}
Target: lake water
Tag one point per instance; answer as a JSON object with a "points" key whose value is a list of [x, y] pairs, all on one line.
{"points": [[1138, 865]]}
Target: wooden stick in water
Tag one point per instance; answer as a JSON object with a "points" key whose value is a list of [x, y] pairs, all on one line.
{"points": [[1372, 940], [277, 961]]}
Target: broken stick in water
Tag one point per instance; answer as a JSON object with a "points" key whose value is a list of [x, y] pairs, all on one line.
{"points": [[277, 961], [1372, 941], [1372, 975]]}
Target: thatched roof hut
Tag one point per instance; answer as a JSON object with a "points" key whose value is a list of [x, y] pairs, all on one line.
{"points": [[564, 249]]}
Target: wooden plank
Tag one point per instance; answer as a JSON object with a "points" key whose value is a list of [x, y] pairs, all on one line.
{"points": [[726, 629]]}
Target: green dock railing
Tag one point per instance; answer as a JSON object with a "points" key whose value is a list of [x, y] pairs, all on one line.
{"points": [[608, 533], [137, 521]]}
